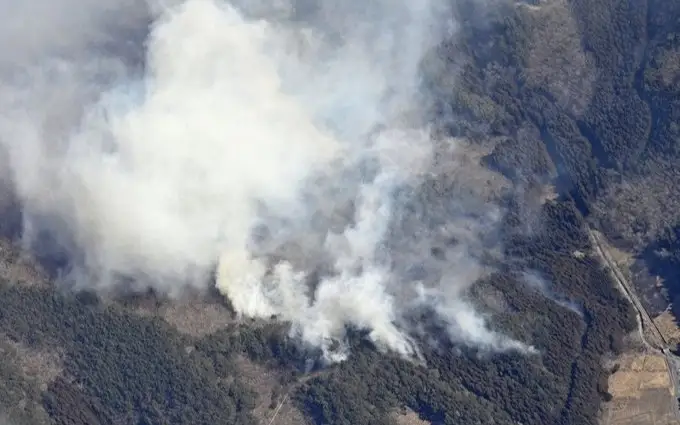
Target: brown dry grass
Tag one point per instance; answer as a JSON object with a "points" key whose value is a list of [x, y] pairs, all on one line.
{"points": [[623, 259], [197, 319], [668, 327], [669, 68], [19, 267], [462, 163], [269, 410], [43, 366], [633, 384], [556, 60], [654, 408], [548, 193], [642, 392], [408, 417], [195, 314]]}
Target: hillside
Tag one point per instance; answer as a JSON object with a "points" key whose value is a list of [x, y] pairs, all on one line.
{"points": [[569, 110]]}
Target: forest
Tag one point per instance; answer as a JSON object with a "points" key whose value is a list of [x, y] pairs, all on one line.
{"points": [[581, 95]]}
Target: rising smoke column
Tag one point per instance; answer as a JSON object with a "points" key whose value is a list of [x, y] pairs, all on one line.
{"points": [[282, 144]]}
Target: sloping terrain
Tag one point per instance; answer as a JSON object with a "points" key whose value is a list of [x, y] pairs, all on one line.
{"points": [[579, 96]]}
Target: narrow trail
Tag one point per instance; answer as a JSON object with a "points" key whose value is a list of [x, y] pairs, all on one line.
{"points": [[292, 387], [278, 408]]}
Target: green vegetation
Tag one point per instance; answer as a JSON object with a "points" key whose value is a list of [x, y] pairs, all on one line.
{"points": [[459, 386], [120, 367], [592, 108]]}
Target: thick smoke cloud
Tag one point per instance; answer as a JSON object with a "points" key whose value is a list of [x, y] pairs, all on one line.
{"points": [[276, 148]]}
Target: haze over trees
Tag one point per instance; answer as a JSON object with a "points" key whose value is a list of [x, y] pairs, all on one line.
{"points": [[578, 94]]}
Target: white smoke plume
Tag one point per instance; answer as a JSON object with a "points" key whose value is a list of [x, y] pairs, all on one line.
{"points": [[281, 144], [539, 284]]}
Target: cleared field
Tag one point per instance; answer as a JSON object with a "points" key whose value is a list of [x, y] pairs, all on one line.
{"points": [[642, 392]]}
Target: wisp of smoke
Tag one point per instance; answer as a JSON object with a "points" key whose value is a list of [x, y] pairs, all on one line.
{"points": [[537, 283], [280, 146]]}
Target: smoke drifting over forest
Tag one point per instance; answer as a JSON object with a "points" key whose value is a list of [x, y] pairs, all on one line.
{"points": [[281, 146]]}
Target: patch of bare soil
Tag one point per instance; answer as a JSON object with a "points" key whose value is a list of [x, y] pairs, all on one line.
{"points": [[197, 319], [26, 373], [548, 194], [461, 162], [193, 314], [43, 366], [668, 327], [408, 417], [642, 392], [274, 406], [669, 68], [19, 267], [623, 259]]}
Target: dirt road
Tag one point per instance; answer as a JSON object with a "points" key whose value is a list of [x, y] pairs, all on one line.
{"points": [[650, 334]]}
